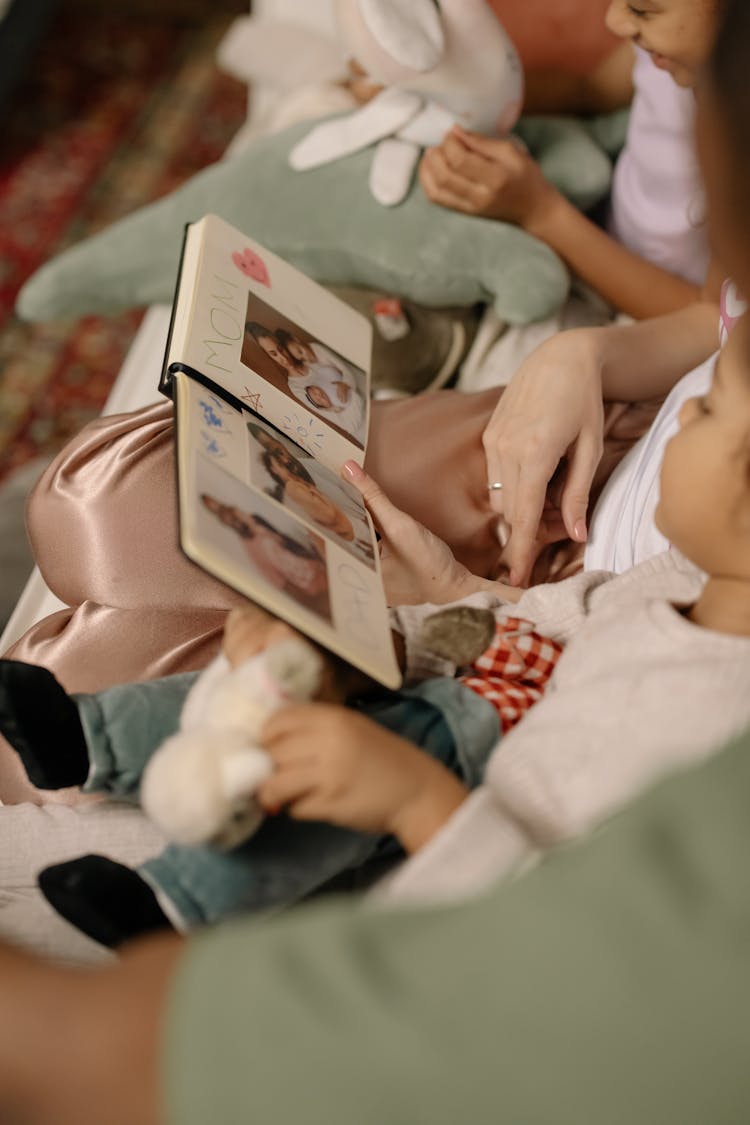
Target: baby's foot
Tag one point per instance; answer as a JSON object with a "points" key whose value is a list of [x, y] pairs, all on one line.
{"points": [[41, 723], [103, 899]]}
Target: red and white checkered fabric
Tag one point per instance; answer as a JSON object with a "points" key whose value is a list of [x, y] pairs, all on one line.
{"points": [[513, 672]]}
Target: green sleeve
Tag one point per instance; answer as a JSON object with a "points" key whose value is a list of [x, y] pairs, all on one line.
{"points": [[611, 986]]}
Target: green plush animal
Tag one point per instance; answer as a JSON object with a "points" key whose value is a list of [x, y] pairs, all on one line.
{"points": [[325, 222]]}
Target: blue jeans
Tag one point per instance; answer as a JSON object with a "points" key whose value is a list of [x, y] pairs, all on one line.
{"points": [[285, 860]]}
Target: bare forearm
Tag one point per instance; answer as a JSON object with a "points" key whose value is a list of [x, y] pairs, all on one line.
{"points": [[632, 362], [83, 1047], [422, 817], [645, 360], [627, 281]]}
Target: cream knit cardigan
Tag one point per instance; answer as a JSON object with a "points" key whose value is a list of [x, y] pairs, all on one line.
{"points": [[638, 691]]}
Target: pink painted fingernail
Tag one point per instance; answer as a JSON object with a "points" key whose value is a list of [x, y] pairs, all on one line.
{"points": [[579, 531], [352, 470]]}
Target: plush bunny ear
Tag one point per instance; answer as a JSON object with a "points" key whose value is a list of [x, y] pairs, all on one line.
{"points": [[390, 38], [411, 33]]}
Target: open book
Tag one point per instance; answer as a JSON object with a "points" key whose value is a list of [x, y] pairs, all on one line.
{"points": [[270, 377]]}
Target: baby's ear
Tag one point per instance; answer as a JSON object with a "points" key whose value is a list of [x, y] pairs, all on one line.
{"points": [[460, 634]]}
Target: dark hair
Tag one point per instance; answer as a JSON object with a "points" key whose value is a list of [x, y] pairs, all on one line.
{"points": [[728, 75], [207, 499], [257, 330], [227, 514], [283, 338], [728, 68], [286, 338], [270, 461], [267, 461], [291, 545], [261, 435]]}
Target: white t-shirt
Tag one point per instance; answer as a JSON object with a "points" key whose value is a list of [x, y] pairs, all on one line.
{"points": [[657, 207], [317, 375], [622, 532], [351, 415]]}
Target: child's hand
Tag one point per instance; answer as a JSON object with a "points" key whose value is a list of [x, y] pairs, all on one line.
{"points": [[342, 391], [417, 566], [488, 176], [335, 765]]}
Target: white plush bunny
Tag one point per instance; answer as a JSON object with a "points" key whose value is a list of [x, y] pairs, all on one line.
{"points": [[199, 786], [440, 62]]}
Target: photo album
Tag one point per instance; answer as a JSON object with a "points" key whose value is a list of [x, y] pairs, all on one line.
{"points": [[270, 374]]}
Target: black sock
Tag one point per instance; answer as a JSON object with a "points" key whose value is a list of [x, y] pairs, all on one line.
{"points": [[41, 723], [105, 900]]}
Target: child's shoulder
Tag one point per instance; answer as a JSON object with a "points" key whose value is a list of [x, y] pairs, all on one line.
{"points": [[669, 576], [560, 609]]}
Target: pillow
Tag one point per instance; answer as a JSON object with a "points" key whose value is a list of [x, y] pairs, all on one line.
{"points": [[325, 222]]}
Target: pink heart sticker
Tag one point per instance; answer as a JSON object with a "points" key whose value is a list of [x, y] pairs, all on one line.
{"points": [[252, 265]]}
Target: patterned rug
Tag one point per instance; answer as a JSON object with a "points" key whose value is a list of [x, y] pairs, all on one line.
{"points": [[118, 111]]}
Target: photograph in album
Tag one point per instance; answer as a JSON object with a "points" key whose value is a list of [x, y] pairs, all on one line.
{"points": [[270, 376]]}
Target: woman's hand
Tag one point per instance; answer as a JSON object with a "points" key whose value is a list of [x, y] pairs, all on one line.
{"points": [[551, 409], [417, 566], [336, 765], [488, 176]]}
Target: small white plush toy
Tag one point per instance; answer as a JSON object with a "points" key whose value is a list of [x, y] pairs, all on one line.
{"points": [[199, 786], [440, 63]]}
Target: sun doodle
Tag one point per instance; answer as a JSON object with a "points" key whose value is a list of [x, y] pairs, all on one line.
{"points": [[304, 429]]}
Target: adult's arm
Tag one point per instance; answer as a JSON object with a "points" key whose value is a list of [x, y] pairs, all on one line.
{"points": [[79, 1046], [610, 984], [553, 408]]}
